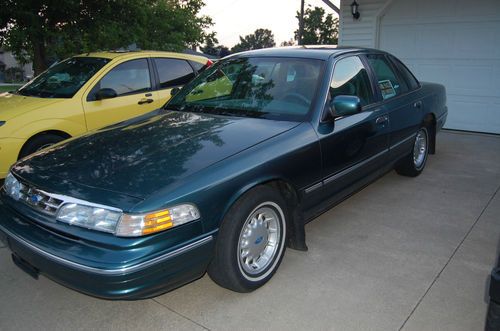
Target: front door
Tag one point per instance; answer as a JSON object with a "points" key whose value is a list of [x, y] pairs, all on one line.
{"points": [[352, 146], [131, 80]]}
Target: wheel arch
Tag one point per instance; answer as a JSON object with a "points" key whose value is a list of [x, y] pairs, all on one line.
{"points": [[290, 194], [59, 133], [430, 123]]}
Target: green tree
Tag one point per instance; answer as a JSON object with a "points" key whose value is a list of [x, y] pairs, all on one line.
{"points": [[319, 28], [290, 42], [261, 38], [37, 30], [210, 49]]}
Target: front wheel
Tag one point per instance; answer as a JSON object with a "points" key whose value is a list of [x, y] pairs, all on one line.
{"points": [[413, 164], [251, 241]]}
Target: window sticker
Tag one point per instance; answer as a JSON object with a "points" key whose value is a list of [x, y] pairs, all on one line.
{"points": [[387, 89]]}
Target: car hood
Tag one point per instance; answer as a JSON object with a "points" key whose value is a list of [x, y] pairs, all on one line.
{"points": [[12, 105], [146, 155]]}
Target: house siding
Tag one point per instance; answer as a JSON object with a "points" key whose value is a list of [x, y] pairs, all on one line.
{"points": [[361, 32]]}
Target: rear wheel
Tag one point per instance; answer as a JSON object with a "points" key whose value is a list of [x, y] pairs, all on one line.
{"points": [[39, 142], [413, 164], [251, 241]]}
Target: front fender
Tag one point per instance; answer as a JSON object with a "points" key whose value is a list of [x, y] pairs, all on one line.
{"points": [[30, 129]]}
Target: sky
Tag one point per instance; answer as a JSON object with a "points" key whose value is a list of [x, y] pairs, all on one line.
{"points": [[233, 18]]}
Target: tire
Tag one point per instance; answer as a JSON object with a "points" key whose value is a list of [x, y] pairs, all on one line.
{"points": [[39, 142], [493, 317], [251, 241], [413, 164]]}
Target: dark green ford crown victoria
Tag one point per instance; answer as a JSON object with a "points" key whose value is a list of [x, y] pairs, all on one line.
{"points": [[224, 177]]}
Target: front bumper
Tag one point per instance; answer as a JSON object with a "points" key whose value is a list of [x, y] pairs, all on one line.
{"points": [[165, 271]]}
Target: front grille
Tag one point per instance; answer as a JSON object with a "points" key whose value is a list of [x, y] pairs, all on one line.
{"points": [[39, 200]]}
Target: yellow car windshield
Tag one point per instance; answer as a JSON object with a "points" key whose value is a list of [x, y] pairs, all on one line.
{"points": [[64, 79]]}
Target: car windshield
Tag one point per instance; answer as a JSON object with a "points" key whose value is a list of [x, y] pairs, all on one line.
{"points": [[64, 79], [274, 88]]}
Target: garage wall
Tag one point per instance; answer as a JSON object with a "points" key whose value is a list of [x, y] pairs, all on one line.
{"points": [[453, 42]]}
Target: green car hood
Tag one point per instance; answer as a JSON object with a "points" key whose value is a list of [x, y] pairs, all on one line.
{"points": [[143, 156]]}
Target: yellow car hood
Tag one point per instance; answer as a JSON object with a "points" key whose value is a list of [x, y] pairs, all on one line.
{"points": [[12, 105]]}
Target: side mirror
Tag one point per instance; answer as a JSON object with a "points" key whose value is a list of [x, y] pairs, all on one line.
{"points": [[105, 93], [175, 90], [345, 105]]}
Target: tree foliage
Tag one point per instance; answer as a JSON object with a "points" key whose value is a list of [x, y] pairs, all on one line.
{"points": [[211, 49], [39, 30], [290, 42], [319, 28], [261, 38]]}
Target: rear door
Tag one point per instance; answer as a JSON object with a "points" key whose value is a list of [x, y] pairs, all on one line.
{"points": [[133, 83], [353, 146], [402, 102]]}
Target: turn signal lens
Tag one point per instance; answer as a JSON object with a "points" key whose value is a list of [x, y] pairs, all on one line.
{"points": [[143, 224]]}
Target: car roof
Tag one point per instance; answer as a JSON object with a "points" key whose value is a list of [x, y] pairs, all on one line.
{"points": [[320, 52], [142, 53]]}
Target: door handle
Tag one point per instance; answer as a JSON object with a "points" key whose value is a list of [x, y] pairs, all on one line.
{"points": [[418, 104], [144, 100], [382, 119]]}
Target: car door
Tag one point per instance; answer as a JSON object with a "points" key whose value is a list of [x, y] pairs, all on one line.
{"points": [[353, 146], [133, 85], [404, 106], [171, 73]]}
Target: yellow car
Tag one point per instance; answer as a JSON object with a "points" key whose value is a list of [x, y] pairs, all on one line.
{"points": [[87, 92]]}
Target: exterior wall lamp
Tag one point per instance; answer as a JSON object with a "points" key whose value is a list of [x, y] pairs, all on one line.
{"points": [[354, 10]]}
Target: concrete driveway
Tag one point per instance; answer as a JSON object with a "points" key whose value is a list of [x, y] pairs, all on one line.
{"points": [[404, 253]]}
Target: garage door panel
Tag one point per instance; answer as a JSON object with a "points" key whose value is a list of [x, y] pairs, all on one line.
{"points": [[476, 40], [392, 42], [434, 41], [468, 8], [473, 79], [469, 114], [435, 9]]}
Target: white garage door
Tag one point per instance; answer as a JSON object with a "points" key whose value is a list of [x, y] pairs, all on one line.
{"points": [[456, 43]]}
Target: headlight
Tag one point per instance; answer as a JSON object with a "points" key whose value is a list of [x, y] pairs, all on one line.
{"points": [[12, 186], [100, 219], [126, 225], [144, 224]]}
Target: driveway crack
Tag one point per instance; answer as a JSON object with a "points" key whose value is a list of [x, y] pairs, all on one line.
{"points": [[450, 258], [181, 315]]}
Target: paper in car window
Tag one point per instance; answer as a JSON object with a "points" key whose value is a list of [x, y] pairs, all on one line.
{"points": [[387, 89]]}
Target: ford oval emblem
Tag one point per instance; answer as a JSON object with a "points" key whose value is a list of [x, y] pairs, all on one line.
{"points": [[35, 198], [259, 240]]}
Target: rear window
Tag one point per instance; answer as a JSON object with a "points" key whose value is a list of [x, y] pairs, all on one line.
{"points": [[406, 73], [389, 82], [198, 66], [173, 72]]}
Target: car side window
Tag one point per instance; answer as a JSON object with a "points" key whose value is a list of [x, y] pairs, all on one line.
{"points": [[173, 72], [351, 78], [405, 73], [389, 83], [127, 78]]}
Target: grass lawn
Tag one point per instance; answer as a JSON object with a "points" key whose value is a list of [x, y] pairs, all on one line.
{"points": [[7, 88]]}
